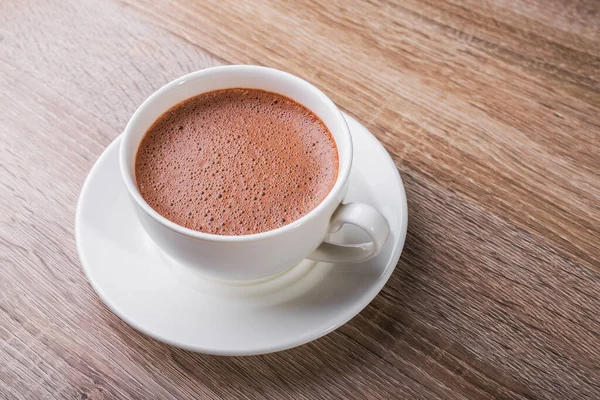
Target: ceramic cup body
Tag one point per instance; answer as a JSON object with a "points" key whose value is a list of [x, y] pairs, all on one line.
{"points": [[255, 256]]}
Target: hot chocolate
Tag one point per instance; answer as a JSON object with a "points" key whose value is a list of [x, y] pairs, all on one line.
{"points": [[236, 162]]}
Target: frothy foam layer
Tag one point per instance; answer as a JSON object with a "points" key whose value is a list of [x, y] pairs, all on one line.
{"points": [[236, 162]]}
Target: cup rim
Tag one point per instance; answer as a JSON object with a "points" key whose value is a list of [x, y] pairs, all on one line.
{"points": [[128, 174]]}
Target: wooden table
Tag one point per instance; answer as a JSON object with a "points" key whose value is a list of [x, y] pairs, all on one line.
{"points": [[491, 111]]}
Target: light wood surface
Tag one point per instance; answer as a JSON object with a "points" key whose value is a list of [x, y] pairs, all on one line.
{"points": [[491, 111]]}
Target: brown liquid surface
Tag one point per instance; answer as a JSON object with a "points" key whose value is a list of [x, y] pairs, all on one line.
{"points": [[236, 162]]}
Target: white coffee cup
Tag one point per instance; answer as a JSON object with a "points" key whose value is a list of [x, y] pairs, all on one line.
{"points": [[259, 255]]}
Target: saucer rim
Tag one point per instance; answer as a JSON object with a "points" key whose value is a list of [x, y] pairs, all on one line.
{"points": [[303, 339]]}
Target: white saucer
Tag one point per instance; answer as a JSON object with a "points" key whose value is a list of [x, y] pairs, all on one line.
{"points": [[175, 305]]}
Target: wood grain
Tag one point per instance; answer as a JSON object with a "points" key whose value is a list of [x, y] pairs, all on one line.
{"points": [[490, 111]]}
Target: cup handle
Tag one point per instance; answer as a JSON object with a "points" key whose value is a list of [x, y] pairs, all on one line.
{"points": [[366, 218]]}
